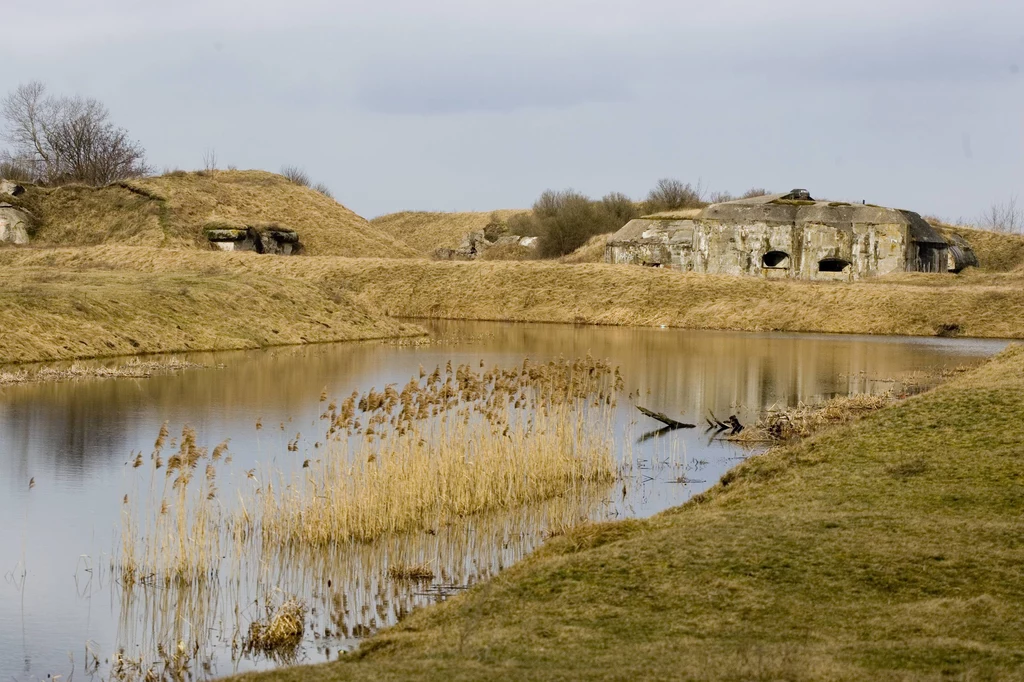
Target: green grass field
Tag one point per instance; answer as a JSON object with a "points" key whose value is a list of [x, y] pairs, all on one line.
{"points": [[888, 549]]}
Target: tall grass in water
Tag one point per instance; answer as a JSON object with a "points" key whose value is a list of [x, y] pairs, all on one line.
{"points": [[450, 444], [177, 535]]}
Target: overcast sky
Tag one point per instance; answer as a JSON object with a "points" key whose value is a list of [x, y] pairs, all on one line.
{"points": [[470, 105]]}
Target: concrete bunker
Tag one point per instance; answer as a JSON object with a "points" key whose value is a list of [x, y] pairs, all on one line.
{"points": [[271, 238], [790, 236], [775, 259]]}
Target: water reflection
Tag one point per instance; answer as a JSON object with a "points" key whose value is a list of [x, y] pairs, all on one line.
{"points": [[75, 438]]}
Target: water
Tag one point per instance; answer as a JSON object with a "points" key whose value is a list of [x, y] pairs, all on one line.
{"points": [[61, 610]]}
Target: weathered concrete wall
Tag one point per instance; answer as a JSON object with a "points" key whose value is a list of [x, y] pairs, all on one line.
{"points": [[14, 225], [281, 241], [804, 251]]}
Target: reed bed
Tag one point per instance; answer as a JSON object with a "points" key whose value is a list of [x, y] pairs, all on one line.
{"points": [[451, 444], [352, 589], [176, 535], [456, 442]]}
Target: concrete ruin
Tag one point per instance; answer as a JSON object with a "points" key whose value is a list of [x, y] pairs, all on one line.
{"points": [[790, 236], [14, 224], [272, 239], [475, 244]]}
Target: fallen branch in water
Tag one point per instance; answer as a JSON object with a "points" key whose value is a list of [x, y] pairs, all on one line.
{"points": [[665, 419]]}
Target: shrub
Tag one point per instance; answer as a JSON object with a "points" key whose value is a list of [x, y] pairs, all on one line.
{"points": [[524, 225], [323, 189], [670, 194], [296, 175], [755, 192], [495, 227], [618, 210], [568, 219]]}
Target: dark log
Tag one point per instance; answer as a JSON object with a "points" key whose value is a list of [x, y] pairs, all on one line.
{"points": [[664, 419]]}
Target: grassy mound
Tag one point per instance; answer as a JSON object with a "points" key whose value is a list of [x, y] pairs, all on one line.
{"points": [[591, 252], [171, 211], [996, 251], [426, 231], [887, 549], [974, 303], [60, 313]]}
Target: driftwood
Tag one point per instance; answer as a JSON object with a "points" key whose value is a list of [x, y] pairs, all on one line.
{"points": [[665, 419], [732, 424]]}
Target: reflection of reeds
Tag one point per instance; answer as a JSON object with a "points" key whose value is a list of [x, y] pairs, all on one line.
{"points": [[455, 476], [181, 536], [352, 588], [455, 443]]}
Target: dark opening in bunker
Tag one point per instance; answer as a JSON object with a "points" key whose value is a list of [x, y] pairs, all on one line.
{"points": [[775, 259], [833, 265]]}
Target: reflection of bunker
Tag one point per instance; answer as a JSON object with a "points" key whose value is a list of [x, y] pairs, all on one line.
{"points": [[261, 239], [791, 236]]}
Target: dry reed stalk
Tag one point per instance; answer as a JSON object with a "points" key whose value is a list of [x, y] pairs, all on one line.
{"points": [[418, 572], [449, 445], [803, 420], [280, 632], [456, 443]]}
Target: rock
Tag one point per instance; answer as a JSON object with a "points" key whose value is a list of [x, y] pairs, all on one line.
{"points": [[11, 188], [13, 225], [529, 242]]}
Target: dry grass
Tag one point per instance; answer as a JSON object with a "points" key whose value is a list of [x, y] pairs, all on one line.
{"points": [[171, 210], [71, 303], [279, 633], [787, 424], [679, 214], [64, 312], [427, 231], [996, 251], [415, 572], [133, 369], [591, 252]]}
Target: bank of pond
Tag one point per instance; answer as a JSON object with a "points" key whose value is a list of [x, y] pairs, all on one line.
{"points": [[255, 509]]}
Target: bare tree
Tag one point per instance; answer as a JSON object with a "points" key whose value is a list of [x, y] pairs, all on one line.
{"points": [[210, 159], [1007, 217], [67, 139], [670, 194]]}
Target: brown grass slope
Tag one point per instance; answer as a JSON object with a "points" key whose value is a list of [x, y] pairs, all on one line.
{"points": [[976, 304], [427, 231], [66, 313], [973, 303], [171, 210], [996, 251], [887, 549]]}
